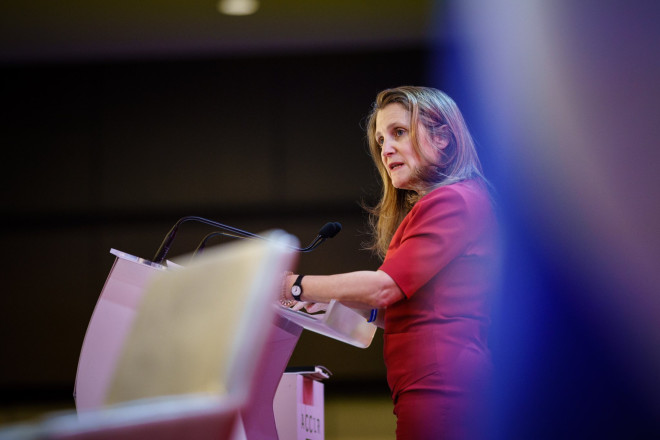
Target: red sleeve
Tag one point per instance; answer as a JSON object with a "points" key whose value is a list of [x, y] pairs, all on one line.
{"points": [[430, 237]]}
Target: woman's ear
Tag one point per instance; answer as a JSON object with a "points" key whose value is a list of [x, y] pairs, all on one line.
{"points": [[441, 137]]}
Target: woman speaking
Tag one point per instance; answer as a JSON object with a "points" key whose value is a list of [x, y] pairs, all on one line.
{"points": [[436, 231]]}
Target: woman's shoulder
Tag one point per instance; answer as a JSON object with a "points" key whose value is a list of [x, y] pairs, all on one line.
{"points": [[465, 191], [468, 198]]}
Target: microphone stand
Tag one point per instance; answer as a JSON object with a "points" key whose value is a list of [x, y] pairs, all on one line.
{"points": [[329, 230]]}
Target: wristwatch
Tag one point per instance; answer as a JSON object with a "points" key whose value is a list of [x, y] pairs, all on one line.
{"points": [[296, 289]]}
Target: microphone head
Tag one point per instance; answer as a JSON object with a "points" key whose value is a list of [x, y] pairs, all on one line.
{"points": [[330, 229]]}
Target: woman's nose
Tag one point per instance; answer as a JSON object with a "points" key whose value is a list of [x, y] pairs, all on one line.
{"points": [[388, 148]]}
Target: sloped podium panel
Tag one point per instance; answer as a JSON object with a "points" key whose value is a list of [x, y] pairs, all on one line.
{"points": [[109, 326]]}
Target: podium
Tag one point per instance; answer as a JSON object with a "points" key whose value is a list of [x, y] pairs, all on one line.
{"points": [[299, 405], [113, 319], [339, 322]]}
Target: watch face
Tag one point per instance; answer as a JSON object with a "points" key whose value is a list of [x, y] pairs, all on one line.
{"points": [[295, 290]]}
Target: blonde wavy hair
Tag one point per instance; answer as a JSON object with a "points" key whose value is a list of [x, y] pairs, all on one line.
{"points": [[440, 116]]}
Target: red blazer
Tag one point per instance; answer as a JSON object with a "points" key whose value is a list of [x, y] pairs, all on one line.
{"points": [[444, 258]]}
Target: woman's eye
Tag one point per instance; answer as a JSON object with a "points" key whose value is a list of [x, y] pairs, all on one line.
{"points": [[380, 141], [399, 132]]}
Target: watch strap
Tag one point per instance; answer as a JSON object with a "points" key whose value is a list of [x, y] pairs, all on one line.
{"points": [[296, 293]]}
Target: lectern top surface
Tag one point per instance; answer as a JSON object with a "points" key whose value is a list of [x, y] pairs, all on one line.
{"points": [[133, 258], [338, 322]]}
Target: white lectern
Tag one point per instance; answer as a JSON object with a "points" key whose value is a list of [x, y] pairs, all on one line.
{"points": [[339, 322], [109, 326], [116, 309]]}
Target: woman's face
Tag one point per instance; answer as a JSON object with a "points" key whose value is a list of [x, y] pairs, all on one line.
{"points": [[396, 150]]}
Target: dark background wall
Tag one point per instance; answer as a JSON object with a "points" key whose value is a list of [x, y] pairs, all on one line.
{"points": [[102, 155]]}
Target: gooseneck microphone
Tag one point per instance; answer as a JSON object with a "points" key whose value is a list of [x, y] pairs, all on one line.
{"points": [[328, 230]]}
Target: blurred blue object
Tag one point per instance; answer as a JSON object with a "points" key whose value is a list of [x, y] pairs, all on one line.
{"points": [[562, 99]]}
